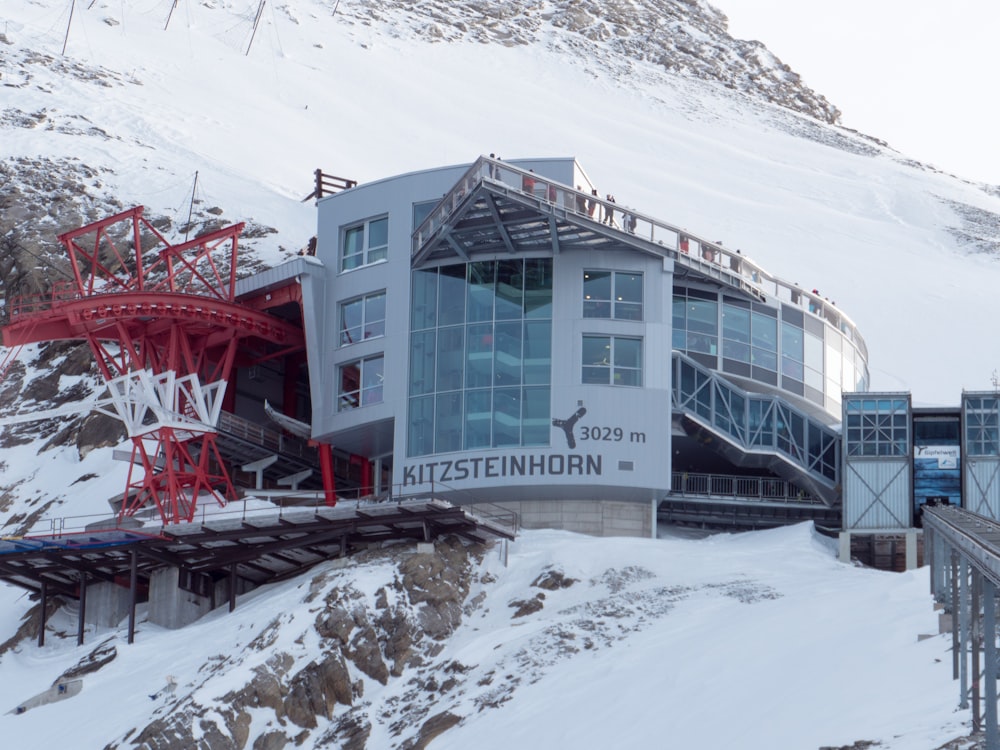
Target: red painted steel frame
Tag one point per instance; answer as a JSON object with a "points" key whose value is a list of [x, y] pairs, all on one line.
{"points": [[164, 308]]}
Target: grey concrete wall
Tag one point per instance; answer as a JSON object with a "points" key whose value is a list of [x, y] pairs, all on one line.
{"points": [[170, 606], [593, 517], [107, 605]]}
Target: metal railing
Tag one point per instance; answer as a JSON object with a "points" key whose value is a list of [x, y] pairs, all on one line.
{"points": [[710, 257], [743, 488], [272, 440], [275, 504]]}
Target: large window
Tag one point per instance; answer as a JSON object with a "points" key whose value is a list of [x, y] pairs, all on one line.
{"points": [[362, 318], [612, 360], [612, 294], [365, 243], [360, 383], [480, 356], [982, 426], [877, 426]]}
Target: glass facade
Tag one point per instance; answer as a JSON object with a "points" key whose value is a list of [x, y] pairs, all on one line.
{"points": [[757, 423], [982, 425], [877, 426], [781, 347], [480, 356]]}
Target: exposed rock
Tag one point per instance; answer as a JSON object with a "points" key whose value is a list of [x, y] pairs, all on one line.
{"points": [[103, 654], [432, 728], [271, 741], [30, 623], [99, 431], [526, 607], [315, 690], [553, 580]]}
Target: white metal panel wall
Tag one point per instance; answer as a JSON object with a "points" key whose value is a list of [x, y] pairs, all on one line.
{"points": [[981, 486], [878, 493]]}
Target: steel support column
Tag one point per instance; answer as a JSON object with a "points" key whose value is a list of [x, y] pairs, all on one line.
{"points": [[954, 614], [133, 585], [44, 593], [232, 587], [83, 608], [990, 667], [963, 634], [977, 582]]}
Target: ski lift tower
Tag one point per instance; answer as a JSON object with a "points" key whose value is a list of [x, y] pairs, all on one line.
{"points": [[164, 325]]}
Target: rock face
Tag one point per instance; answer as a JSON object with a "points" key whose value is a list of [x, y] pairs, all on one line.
{"points": [[688, 37], [355, 644]]}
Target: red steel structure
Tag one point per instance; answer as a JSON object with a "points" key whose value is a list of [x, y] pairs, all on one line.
{"points": [[165, 328]]}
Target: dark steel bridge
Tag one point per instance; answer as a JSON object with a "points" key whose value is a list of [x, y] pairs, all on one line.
{"points": [[963, 550]]}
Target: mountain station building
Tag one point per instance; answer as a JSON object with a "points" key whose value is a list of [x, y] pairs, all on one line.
{"points": [[500, 333]]}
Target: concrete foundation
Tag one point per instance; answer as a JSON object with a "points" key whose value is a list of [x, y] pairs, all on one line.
{"points": [[593, 517], [169, 605], [107, 605], [886, 549]]}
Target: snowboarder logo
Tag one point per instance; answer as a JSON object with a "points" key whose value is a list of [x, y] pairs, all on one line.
{"points": [[567, 425]]}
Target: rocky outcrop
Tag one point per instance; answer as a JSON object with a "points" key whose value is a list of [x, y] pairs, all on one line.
{"points": [[380, 640], [687, 37]]}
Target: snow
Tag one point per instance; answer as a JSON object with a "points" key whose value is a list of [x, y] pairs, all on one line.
{"points": [[752, 640], [815, 653]]}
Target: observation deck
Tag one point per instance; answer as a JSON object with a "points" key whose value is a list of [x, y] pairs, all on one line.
{"points": [[499, 208]]}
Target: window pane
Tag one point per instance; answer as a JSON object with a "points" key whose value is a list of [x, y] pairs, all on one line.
{"points": [[510, 290], [508, 353], [597, 350], [378, 233], [537, 352], [482, 280], [423, 306], [478, 413], [351, 314], [421, 423], [451, 296], [350, 386], [507, 416], [538, 288], [422, 363], [371, 380], [764, 332], [680, 314], [791, 342], [535, 425], [353, 239], [597, 294], [702, 316], [479, 359], [374, 315], [450, 356], [628, 296], [448, 422], [628, 352], [736, 324]]}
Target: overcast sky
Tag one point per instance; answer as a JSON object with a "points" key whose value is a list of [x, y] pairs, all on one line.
{"points": [[915, 73]]}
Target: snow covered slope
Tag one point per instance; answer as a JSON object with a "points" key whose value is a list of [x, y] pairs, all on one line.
{"points": [[759, 640]]}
